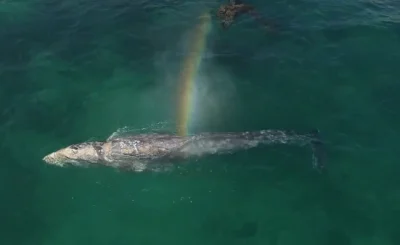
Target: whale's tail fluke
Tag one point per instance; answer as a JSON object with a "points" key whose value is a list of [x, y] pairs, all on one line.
{"points": [[318, 151]]}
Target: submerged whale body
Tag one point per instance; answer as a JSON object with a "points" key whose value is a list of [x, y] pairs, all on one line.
{"points": [[142, 151]]}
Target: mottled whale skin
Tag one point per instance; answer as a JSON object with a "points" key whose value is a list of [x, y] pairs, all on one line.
{"points": [[139, 152]]}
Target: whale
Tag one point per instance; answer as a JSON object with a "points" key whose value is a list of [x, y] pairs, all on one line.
{"points": [[150, 151]]}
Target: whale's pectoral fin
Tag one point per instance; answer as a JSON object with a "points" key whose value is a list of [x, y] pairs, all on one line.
{"points": [[318, 151], [138, 168]]}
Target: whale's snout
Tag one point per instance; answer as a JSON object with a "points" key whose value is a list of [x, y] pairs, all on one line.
{"points": [[54, 158], [77, 155], [48, 158]]}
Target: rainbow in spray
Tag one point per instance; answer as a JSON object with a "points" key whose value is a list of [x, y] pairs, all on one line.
{"points": [[189, 73]]}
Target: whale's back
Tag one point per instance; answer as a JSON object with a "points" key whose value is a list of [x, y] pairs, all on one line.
{"points": [[145, 146]]}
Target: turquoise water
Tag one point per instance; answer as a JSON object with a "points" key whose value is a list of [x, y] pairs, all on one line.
{"points": [[74, 70]]}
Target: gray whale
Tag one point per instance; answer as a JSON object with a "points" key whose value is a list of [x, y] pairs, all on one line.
{"points": [[142, 151]]}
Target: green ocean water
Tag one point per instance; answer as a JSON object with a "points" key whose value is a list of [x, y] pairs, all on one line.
{"points": [[76, 70]]}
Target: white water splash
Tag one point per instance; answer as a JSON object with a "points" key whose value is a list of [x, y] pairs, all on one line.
{"points": [[163, 126]]}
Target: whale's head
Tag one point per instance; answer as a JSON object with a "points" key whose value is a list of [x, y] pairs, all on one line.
{"points": [[77, 154]]}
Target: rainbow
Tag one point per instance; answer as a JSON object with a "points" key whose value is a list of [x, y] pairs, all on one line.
{"points": [[189, 72]]}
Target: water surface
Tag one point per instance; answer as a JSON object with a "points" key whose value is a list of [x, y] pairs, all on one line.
{"points": [[76, 70]]}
